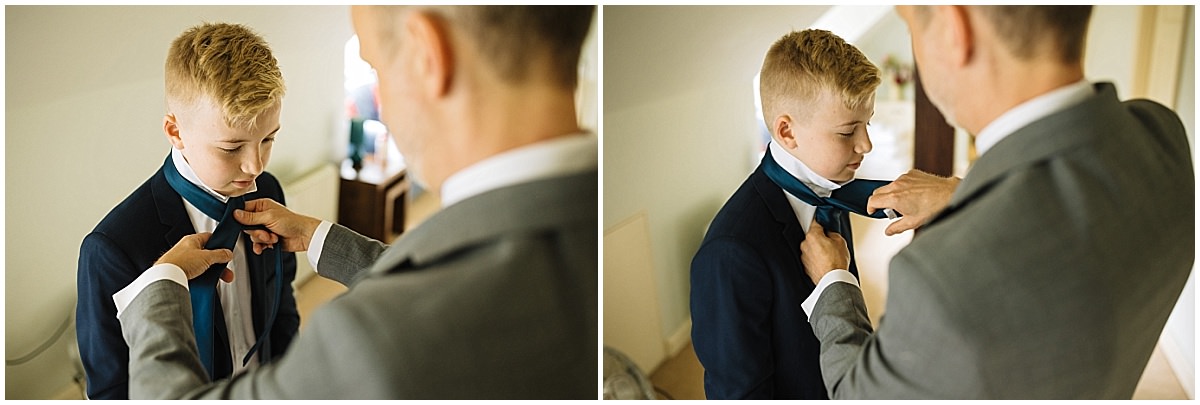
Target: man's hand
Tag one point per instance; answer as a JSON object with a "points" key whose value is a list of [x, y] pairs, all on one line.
{"points": [[189, 254], [917, 195], [821, 253], [295, 230]]}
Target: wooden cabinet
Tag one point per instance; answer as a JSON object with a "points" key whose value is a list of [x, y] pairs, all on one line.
{"points": [[371, 201]]}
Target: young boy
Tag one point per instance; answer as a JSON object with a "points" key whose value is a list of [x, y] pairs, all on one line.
{"points": [[223, 92], [749, 330]]}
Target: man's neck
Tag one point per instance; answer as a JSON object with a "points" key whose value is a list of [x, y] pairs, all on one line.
{"points": [[1013, 84], [503, 120]]}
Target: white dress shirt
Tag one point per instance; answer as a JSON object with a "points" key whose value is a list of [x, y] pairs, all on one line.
{"points": [[1012, 120], [235, 297], [561, 156]]}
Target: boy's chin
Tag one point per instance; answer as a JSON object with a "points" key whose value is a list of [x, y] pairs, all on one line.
{"points": [[842, 177], [233, 193]]}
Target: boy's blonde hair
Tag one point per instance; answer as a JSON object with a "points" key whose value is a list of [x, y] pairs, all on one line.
{"points": [[803, 64], [229, 64]]}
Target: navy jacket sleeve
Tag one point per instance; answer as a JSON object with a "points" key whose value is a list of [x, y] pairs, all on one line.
{"points": [[103, 270], [731, 318]]}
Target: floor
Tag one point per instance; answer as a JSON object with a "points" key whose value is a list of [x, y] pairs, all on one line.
{"points": [[682, 377]]}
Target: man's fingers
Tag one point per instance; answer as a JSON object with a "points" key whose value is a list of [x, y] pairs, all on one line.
{"points": [[816, 227], [199, 239], [260, 236], [260, 205], [880, 200], [250, 218], [219, 256], [227, 275], [900, 226]]}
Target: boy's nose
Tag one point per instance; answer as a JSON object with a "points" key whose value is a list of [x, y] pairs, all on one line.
{"points": [[863, 144], [253, 164]]}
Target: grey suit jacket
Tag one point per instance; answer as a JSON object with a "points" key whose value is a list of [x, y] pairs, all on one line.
{"points": [[1050, 274], [493, 297]]}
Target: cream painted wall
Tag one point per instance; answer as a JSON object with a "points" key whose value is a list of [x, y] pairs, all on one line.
{"points": [[679, 124], [84, 116], [677, 158], [1111, 46]]}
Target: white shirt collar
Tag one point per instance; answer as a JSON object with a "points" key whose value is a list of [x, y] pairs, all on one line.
{"points": [[185, 169], [559, 156], [1035, 109], [820, 185]]}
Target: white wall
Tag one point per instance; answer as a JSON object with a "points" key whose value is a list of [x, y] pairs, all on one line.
{"points": [[1111, 46], [84, 106], [679, 124]]}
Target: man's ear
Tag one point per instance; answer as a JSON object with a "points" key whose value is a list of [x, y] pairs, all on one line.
{"points": [[959, 35], [171, 129], [433, 57], [783, 129]]}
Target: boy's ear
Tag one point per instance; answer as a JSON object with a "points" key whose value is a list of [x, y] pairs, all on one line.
{"points": [[171, 129], [433, 58], [783, 131]]}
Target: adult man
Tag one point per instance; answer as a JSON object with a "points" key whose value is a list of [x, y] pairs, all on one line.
{"points": [[1052, 268], [492, 297]]}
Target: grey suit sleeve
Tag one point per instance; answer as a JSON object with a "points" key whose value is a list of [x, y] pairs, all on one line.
{"points": [[164, 364], [347, 255], [840, 321], [163, 359], [921, 350]]}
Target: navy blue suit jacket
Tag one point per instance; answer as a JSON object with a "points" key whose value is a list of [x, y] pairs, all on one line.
{"points": [[748, 329], [127, 242]]}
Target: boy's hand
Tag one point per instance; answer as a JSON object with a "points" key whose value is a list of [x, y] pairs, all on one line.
{"points": [[189, 254], [917, 195], [821, 253], [295, 230]]}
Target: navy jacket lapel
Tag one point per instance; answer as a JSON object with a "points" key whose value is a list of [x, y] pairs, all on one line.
{"points": [[781, 210], [170, 210]]}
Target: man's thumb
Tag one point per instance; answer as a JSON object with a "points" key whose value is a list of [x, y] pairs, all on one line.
{"points": [[247, 217], [219, 256], [899, 227]]}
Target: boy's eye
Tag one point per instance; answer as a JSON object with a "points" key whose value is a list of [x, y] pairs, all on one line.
{"points": [[230, 150], [269, 140]]}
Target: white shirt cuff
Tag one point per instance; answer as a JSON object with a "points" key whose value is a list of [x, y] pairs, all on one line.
{"points": [[835, 276], [165, 271], [317, 243]]}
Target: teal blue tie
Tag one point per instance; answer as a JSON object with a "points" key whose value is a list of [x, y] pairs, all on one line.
{"points": [[203, 288], [831, 211]]}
